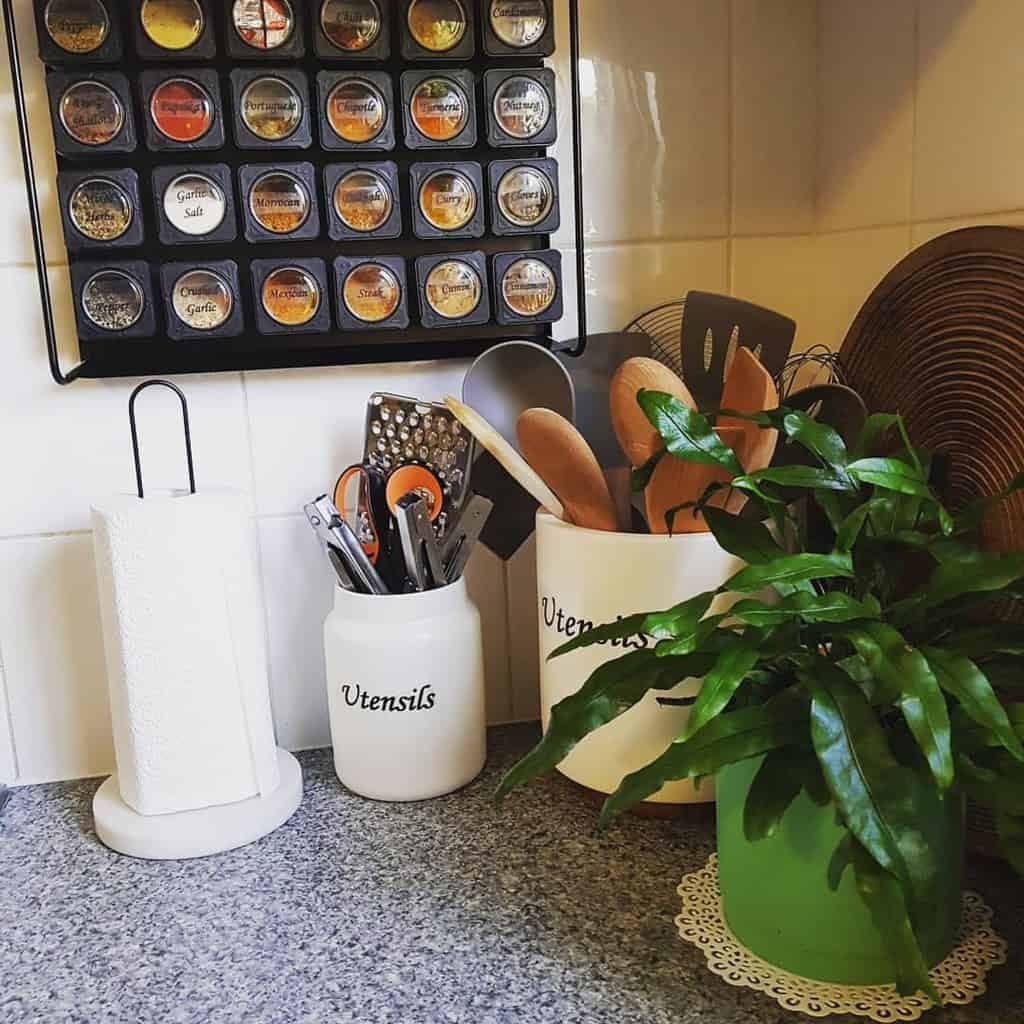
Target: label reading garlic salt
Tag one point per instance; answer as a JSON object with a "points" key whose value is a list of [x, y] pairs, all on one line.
{"points": [[194, 204]]}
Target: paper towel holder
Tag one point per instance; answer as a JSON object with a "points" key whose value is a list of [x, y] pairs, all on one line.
{"points": [[155, 382]]}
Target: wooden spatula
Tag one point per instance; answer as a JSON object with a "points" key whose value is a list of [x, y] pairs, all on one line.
{"points": [[506, 455], [639, 440], [559, 455], [677, 481]]}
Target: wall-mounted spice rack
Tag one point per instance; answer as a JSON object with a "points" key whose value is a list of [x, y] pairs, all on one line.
{"points": [[253, 184]]}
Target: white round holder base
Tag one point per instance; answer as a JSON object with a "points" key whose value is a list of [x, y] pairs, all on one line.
{"points": [[195, 833], [959, 979]]}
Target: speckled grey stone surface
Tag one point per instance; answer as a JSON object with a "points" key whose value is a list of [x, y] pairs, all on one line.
{"points": [[446, 912]]}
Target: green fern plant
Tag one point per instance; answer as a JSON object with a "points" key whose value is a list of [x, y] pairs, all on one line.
{"points": [[871, 660]]}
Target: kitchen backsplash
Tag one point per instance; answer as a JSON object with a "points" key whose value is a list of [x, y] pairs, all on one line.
{"points": [[787, 151]]}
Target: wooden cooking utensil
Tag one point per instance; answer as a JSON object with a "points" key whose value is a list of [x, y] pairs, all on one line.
{"points": [[639, 440], [558, 453], [677, 481], [514, 464]]}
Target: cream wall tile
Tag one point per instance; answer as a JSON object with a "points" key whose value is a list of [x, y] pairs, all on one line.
{"points": [[970, 136], [523, 632], [867, 61], [16, 239], [927, 230], [73, 443], [52, 644], [848, 267], [655, 114], [485, 578], [774, 116], [778, 272], [298, 592]]}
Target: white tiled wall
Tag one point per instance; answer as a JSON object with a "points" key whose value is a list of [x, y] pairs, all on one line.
{"points": [[700, 128]]}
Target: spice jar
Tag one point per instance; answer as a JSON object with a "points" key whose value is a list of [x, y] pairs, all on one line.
{"points": [[182, 109], [447, 200], [519, 28], [438, 29], [524, 196], [267, 29], [78, 31], [363, 200], [91, 113], [356, 110], [370, 292], [113, 299], [271, 109], [452, 289], [439, 108], [100, 208], [194, 204], [353, 29], [173, 29], [202, 300], [291, 296], [521, 107], [528, 287], [279, 202]]}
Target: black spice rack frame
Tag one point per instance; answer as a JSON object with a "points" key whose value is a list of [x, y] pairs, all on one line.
{"points": [[251, 351]]}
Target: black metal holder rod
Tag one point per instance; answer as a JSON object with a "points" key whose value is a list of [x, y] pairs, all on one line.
{"points": [[281, 358], [21, 109]]}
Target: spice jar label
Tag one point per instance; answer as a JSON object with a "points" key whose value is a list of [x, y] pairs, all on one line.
{"points": [[77, 26], [351, 25], [519, 23], [194, 204], [437, 25], [91, 113], [100, 209], [271, 108], [363, 200], [522, 107]]}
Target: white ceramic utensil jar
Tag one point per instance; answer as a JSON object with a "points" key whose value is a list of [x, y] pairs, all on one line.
{"points": [[405, 688], [587, 577]]}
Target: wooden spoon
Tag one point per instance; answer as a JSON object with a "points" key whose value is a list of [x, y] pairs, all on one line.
{"points": [[676, 481], [514, 464], [560, 456], [639, 440]]}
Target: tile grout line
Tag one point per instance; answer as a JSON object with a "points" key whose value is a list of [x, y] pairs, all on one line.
{"points": [[259, 550], [45, 535]]}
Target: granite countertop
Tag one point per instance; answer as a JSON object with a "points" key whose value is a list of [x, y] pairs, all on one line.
{"points": [[354, 911]]}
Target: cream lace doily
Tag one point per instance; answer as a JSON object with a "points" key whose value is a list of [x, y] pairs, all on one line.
{"points": [[960, 978]]}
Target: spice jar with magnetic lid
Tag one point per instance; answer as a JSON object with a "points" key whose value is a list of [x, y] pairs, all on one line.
{"points": [[520, 106], [356, 110], [439, 109], [438, 29], [519, 28], [352, 30], [91, 112], [266, 29], [370, 293], [100, 208], [182, 110], [363, 200], [78, 32], [524, 196], [271, 108], [447, 199], [528, 287], [452, 289], [195, 204], [279, 202], [290, 296], [113, 299], [173, 29], [202, 300]]}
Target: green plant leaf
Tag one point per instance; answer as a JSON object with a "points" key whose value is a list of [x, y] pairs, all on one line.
{"points": [[897, 475], [739, 656], [887, 904], [1011, 839], [985, 641], [874, 427], [857, 763], [963, 680], [672, 622], [612, 688], [790, 569], [841, 859], [694, 640], [809, 477], [741, 537], [970, 518], [989, 573], [834, 606], [641, 477], [904, 669], [818, 438], [729, 738], [849, 529], [686, 433], [993, 787], [776, 785]]}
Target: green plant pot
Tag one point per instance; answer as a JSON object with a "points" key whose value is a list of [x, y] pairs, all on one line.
{"points": [[776, 898]]}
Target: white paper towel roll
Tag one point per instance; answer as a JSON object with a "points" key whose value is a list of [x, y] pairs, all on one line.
{"points": [[184, 635]]}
